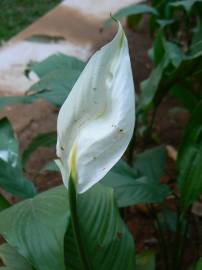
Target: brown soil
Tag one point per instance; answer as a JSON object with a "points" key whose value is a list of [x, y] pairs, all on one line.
{"points": [[29, 120]]}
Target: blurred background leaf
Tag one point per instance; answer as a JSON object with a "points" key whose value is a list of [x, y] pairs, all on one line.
{"points": [[11, 173]]}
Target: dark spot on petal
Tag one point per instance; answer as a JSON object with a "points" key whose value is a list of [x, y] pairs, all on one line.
{"points": [[121, 130], [62, 148]]}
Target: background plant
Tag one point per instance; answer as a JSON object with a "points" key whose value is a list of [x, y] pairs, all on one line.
{"points": [[175, 27]]}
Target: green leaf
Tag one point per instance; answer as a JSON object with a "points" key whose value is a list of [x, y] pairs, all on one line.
{"points": [[54, 87], [146, 261], [108, 242], [170, 71], [131, 187], [150, 86], [165, 22], [185, 96], [151, 163], [50, 166], [196, 44], [11, 174], [131, 10], [168, 219], [11, 100], [158, 48], [199, 264], [190, 159], [186, 4], [41, 140], [37, 229], [3, 203], [166, 49], [167, 56], [173, 53], [58, 74], [57, 62], [12, 259]]}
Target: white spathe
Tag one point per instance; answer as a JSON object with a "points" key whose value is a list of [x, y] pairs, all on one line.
{"points": [[97, 119]]}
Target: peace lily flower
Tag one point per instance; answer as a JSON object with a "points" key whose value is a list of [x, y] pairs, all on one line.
{"points": [[96, 122]]}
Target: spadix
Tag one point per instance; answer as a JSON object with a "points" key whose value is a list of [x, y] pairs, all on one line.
{"points": [[96, 122]]}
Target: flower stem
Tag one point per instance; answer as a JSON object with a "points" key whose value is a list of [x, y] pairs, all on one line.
{"points": [[75, 224]]}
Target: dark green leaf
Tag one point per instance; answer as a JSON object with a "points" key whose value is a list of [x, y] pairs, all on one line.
{"points": [[54, 87], [173, 53], [151, 163], [168, 219], [11, 174], [162, 78], [166, 49], [108, 242], [158, 48], [12, 259], [196, 45], [199, 264], [37, 227], [163, 22], [166, 55], [131, 10], [3, 203], [190, 160], [146, 261], [58, 74], [41, 140], [150, 86], [186, 4], [57, 62], [131, 187], [13, 181], [185, 96]]}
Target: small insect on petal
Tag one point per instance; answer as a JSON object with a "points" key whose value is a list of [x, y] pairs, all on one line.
{"points": [[96, 122]]}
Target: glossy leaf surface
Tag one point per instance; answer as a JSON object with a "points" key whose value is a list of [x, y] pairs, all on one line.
{"points": [[11, 174]]}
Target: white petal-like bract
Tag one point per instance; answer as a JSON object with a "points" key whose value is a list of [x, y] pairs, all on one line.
{"points": [[97, 119]]}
